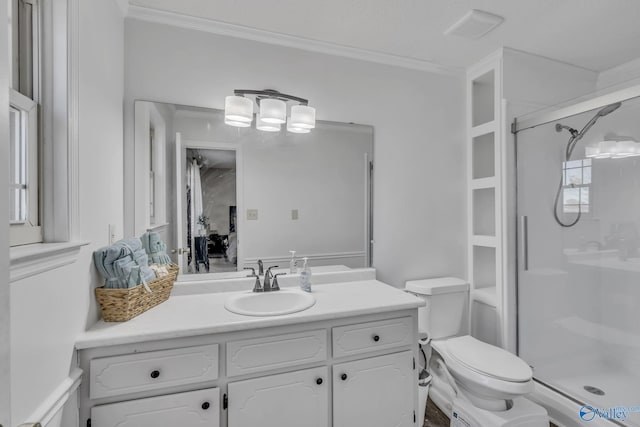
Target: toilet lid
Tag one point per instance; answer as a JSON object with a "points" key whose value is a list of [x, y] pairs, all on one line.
{"points": [[488, 359]]}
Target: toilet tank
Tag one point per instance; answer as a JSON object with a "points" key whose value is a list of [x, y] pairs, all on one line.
{"points": [[445, 313]]}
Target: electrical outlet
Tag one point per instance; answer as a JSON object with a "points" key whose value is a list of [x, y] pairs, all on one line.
{"points": [[252, 214], [294, 214], [112, 234]]}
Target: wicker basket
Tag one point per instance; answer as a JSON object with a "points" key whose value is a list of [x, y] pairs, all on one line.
{"points": [[119, 305]]}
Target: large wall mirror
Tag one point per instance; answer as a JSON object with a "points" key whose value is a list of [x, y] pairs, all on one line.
{"points": [[224, 197]]}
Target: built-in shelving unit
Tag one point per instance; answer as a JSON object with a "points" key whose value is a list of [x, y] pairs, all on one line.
{"points": [[484, 196], [504, 85]]}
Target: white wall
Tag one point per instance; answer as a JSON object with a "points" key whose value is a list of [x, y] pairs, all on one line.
{"points": [[5, 371], [418, 119], [49, 310]]}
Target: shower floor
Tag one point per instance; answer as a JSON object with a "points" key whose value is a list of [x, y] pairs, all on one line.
{"points": [[621, 387]]}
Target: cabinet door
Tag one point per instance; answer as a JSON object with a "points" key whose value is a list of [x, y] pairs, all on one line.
{"points": [[293, 399], [375, 392], [193, 409]]}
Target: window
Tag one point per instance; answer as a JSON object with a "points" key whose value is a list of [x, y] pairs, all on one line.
{"points": [[152, 176], [23, 182], [24, 124], [151, 127], [576, 182]]}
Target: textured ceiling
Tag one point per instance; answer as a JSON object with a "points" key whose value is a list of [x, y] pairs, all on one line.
{"points": [[593, 34]]}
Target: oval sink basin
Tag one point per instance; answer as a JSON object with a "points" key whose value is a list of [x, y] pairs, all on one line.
{"points": [[274, 303]]}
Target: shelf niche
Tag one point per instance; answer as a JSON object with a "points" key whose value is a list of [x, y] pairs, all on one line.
{"points": [[483, 99], [484, 212], [484, 267], [483, 151]]}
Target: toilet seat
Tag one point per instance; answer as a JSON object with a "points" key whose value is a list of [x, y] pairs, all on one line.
{"points": [[488, 360], [469, 373]]}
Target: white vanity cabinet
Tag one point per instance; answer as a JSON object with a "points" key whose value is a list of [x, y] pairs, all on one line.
{"points": [[340, 372], [377, 391], [299, 398]]}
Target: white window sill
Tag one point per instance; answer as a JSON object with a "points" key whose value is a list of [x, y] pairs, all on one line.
{"points": [[156, 227], [30, 260]]}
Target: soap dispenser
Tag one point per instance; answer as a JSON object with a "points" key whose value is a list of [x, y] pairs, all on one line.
{"points": [[293, 269], [305, 277]]}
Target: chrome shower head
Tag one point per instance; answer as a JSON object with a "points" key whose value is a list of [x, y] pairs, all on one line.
{"points": [[609, 109]]}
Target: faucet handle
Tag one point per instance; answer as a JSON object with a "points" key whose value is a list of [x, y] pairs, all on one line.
{"points": [[269, 270], [253, 271], [274, 285], [257, 287]]}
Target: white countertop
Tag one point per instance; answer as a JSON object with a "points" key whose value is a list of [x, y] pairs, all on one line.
{"points": [[200, 314]]}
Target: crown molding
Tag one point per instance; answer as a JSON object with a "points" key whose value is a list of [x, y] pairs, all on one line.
{"points": [[123, 5], [279, 39]]}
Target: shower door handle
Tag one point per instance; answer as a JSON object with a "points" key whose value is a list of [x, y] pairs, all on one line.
{"points": [[524, 242]]}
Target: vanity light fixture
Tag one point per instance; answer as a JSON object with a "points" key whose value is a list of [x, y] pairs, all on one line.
{"points": [[294, 129], [272, 113], [611, 149], [265, 126], [625, 149]]}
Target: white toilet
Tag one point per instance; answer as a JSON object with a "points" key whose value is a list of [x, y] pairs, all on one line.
{"points": [[475, 383]]}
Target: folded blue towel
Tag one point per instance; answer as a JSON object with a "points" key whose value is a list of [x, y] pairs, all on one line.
{"points": [[123, 264], [155, 248]]}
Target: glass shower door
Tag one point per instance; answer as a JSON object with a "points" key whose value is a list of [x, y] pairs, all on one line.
{"points": [[579, 273]]}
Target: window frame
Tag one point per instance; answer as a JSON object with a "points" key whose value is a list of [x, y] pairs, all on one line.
{"points": [[59, 23], [28, 231], [25, 97], [580, 207]]}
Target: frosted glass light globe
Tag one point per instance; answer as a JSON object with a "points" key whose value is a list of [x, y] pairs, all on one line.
{"points": [[238, 109], [303, 116], [273, 110], [294, 129], [264, 126]]}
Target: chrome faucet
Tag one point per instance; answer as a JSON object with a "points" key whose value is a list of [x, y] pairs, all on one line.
{"points": [[274, 285], [260, 268], [267, 280], [257, 287]]}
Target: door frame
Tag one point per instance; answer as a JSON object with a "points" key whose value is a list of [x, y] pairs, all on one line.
{"points": [[181, 147]]}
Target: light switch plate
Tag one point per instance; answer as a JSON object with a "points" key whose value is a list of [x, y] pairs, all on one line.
{"points": [[252, 214], [294, 214], [112, 234]]}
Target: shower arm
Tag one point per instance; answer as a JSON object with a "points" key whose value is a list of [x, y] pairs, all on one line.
{"points": [[576, 138]]}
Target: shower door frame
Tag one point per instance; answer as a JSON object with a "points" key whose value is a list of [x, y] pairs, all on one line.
{"points": [[572, 110], [533, 120]]}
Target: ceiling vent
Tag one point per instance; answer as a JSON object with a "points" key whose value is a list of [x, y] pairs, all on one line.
{"points": [[474, 24]]}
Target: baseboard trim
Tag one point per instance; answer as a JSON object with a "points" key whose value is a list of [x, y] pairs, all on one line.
{"points": [[312, 257], [50, 407]]}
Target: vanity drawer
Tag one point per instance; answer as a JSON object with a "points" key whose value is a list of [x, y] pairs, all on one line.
{"points": [[192, 409], [280, 351], [365, 337], [116, 375]]}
